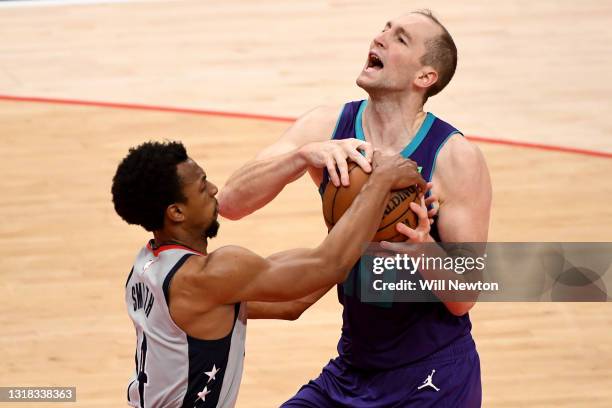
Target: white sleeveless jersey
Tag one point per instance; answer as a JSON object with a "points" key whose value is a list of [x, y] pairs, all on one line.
{"points": [[172, 368]]}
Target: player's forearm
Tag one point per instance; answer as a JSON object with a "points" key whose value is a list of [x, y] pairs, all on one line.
{"points": [[259, 182], [290, 310], [431, 273], [273, 310], [345, 242]]}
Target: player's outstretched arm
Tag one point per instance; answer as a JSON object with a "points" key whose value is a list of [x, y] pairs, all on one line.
{"points": [[289, 310], [293, 309], [234, 274], [304, 146]]}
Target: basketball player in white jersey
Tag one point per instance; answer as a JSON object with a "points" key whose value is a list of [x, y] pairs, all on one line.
{"points": [[188, 305]]}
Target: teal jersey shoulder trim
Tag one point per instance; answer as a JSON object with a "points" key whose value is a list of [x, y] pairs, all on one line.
{"points": [[420, 136], [333, 136], [359, 121], [433, 167]]}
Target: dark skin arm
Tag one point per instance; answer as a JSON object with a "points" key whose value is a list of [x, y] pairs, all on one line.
{"points": [[292, 310]]}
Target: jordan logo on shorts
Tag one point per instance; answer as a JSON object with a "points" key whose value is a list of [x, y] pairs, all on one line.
{"points": [[429, 382]]}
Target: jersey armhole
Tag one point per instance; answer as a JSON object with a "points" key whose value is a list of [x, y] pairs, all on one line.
{"points": [[433, 167], [129, 277], [166, 290], [170, 275], [333, 135]]}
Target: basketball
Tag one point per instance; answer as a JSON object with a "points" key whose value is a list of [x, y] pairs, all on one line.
{"points": [[336, 200]]}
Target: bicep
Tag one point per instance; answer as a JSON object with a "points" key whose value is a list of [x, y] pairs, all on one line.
{"points": [[464, 221], [280, 147], [314, 126], [465, 211], [241, 275]]}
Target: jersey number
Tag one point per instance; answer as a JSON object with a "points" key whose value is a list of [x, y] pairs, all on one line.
{"points": [[140, 369]]}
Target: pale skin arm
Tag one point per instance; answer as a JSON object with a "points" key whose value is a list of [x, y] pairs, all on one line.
{"points": [[306, 145], [463, 185]]}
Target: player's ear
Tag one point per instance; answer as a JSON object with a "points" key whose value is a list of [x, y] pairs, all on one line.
{"points": [[175, 213], [426, 77]]}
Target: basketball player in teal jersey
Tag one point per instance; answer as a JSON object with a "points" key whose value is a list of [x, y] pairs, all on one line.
{"points": [[411, 354]]}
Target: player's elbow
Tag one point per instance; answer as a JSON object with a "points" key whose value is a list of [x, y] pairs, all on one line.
{"points": [[229, 206], [293, 314], [459, 313], [230, 213], [334, 268], [343, 266], [459, 308], [288, 313]]}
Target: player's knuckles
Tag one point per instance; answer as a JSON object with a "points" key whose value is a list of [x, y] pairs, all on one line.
{"points": [[416, 208]]}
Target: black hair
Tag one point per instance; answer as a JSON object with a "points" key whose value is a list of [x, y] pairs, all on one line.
{"points": [[441, 54], [146, 183]]}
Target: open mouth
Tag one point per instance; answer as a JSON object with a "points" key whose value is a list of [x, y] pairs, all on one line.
{"points": [[374, 62]]}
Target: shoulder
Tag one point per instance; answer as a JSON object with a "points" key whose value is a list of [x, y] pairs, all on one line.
{"points": [[227, 259], [459, 152], [190, 273], [202, 280], [323, 113], [317, 124], [460, 163]]}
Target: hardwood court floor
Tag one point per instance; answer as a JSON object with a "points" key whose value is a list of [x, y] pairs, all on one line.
{"points": [[528, 70], [65, 255]]}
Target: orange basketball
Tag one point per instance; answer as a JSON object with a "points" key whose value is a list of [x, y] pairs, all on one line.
{"points": [[336, 200]]}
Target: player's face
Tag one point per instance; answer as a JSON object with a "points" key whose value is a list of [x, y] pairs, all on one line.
{"points": [[201, 208], [394, 59]]}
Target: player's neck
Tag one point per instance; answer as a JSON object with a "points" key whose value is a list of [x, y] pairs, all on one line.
{"points": [[391, 123], [180, 238]]}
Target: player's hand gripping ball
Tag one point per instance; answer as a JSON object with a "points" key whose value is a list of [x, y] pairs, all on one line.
{"points": [[336, 200]]}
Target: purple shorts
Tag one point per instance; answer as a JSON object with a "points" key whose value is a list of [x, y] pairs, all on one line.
{"points": [[449, 378]]}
